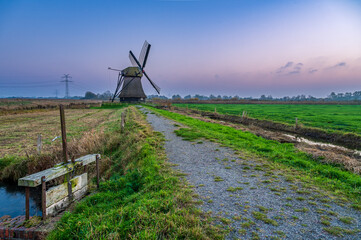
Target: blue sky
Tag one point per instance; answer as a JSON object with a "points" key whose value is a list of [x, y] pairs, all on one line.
{"points": [[216, 47]]}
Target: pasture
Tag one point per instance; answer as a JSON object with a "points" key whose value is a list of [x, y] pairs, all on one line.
{"points": [[342, 118], [19, 132]]}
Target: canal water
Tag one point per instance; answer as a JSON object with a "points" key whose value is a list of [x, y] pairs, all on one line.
{"points": [[12, 200]]}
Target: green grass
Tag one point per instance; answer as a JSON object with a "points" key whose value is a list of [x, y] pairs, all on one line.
{"points": [[340, 232], [112, 105], [263, 217], [143, 199], [344, 118], [284, 155], [347, 220]]}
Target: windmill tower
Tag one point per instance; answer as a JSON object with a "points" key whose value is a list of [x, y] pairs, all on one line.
{"points": [[129, 87]]}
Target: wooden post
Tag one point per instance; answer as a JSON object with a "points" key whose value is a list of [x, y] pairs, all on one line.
{"points": [[215, 110], [27, 210], [122, 120], [296, 123], [97, 169], [70, 193], [63, 133], [43, 197], [39, 144]]}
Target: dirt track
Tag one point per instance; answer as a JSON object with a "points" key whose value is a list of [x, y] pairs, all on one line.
{"points": [[253, 199]]}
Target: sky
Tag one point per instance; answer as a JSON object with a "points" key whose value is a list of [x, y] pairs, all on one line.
{"points": [[221, 47]]}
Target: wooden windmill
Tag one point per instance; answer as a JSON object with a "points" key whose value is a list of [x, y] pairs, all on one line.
{"points": [[129, 87]]}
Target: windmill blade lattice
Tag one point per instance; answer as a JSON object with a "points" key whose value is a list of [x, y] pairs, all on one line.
{"points": [[152, 83], [132, 59], [144, 54]]}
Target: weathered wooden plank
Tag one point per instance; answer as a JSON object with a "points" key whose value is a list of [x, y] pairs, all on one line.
{"points": [[85, 160], [34, 180], [60, 206], [58, 170], [57, 193]]}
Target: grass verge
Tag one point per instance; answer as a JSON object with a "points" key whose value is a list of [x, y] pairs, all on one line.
{"points": [[142, 199]]}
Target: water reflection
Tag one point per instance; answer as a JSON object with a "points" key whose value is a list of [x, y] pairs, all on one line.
{"points": [[12, 200]]}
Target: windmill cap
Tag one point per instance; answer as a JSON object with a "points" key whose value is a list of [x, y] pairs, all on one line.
{"points": [[132, 72]]}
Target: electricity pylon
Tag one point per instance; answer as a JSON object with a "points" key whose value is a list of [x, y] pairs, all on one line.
{"points": [[66, 80]]}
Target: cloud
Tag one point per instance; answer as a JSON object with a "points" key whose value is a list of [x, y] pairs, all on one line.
{"points": [[281, 69], [340, 64], [290, 68], [312, 71]]}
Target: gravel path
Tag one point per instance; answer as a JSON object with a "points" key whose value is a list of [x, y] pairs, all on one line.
{"points": [[252, 199]]}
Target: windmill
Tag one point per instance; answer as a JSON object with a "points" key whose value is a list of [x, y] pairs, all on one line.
{"points": [[129, 87]]}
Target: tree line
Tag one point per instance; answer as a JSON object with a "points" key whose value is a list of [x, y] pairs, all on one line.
{"points": [[348, 96]]}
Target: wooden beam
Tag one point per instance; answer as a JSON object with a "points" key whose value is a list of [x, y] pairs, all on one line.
{"points": [[59, 170]]}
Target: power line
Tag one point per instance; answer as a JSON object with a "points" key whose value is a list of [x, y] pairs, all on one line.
{"points": [[25, 83], [66, 77], [39, 86]]}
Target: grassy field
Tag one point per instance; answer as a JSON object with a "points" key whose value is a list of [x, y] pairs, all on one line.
{"points": [[343, 118], [284, 155], [14, 104], [86, 133], [19, 132]]}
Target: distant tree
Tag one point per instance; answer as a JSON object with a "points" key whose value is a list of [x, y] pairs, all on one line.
{"points": [[157, 97], [332, 95], [176, 97], [286, 98], [90, 95], [201, 97], [311, 98], [263, 97], [106, 95], [339, 95], [188, 97], [357, 95], [212, 97], [348, 96]]}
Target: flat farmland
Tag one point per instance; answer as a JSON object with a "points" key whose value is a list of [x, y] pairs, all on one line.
{"points": [[19, 132], [342, 118]]}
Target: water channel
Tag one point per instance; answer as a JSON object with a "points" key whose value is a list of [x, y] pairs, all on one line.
{"points": [[304, 140], [12, 200]]}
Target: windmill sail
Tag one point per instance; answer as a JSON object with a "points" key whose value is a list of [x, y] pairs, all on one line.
{"points": [[144, 54]]}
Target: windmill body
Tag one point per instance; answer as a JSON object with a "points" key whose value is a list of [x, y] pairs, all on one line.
{"points": [[129, 87], [132, 89]]}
